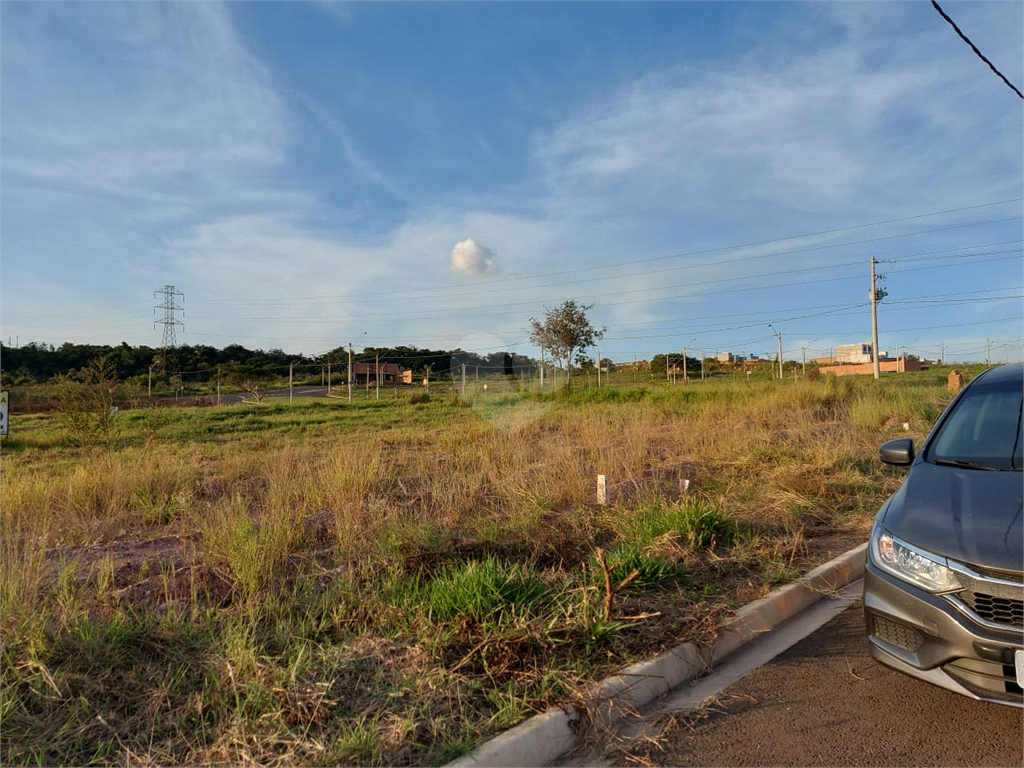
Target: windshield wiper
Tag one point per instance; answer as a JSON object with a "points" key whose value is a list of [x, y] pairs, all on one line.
{"points": [[964, 464]]}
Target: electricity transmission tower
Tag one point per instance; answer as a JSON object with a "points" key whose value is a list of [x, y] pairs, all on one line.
{"points": [[169, 322]]}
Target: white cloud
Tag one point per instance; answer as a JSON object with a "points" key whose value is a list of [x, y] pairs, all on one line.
{"points": [[832, 131], [471, 258]]}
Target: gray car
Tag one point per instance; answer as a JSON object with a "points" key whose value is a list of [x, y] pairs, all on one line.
{"points": [[943, 590]]}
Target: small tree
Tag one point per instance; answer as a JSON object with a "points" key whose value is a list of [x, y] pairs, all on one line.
{"points": [[86, 402], [565, 330], [251, 381]]}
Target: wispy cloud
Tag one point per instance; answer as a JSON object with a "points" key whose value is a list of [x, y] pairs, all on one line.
{"points": [[168, 152]]}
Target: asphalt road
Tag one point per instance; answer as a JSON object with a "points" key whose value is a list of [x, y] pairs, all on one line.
{"points": [[826, 702], [337, 390]]}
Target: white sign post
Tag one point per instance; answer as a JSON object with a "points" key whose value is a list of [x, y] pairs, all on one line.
{"points": [[4, 396]]}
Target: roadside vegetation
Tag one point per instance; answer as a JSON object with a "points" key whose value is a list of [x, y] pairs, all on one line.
{"points": [[391, 582]]}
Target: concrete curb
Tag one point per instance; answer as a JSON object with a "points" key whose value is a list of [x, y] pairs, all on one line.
{"points": [[543, 738]]}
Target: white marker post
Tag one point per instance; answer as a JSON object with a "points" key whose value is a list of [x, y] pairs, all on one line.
{"points": [[602, 490]]}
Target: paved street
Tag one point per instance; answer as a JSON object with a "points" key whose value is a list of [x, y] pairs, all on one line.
{"points": [[825, 702]]}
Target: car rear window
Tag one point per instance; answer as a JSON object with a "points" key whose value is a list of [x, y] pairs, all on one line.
{"points": [[984, 428]]}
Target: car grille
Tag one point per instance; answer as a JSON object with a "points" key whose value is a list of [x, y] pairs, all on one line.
{"points": [[897, 634], [997, 610], [998, 573]]}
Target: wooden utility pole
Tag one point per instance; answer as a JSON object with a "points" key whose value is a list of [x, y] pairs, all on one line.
{"points": [[218, 385], [542, 369], [291, 397], [463, 380], [328, 378], [376, 370], [988, 351], [350, 371], [803, 351], [151, 381], [599, 369]]}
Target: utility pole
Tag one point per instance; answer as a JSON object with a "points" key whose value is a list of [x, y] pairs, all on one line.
{"points": [[702, 366], [542, 369], [778, 336], [376, 370], [151, 381], [988, 351], [803, 352], [328, 378], [463, 380], [350, 371], [942, 353], [1006, 356], [876, 295], [291, 396], [218, 385], [599, 369], [780, 354]]}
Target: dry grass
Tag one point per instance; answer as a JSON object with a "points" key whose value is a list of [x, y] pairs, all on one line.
{"points": [[389, 584]]}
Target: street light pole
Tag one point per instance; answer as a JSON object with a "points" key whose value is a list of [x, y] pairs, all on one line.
{"points": [[686, 378]]}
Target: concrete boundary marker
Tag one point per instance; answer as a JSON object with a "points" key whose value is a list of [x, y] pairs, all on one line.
{"points": [[544, 738]]}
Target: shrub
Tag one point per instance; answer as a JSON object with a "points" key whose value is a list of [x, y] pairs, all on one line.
{"points": [[87, 401]]}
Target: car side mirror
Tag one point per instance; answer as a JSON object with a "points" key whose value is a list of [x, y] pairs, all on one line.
{"points": [[897, 452]]}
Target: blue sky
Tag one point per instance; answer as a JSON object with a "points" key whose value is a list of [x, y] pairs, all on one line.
{"points": [[310, 174]]}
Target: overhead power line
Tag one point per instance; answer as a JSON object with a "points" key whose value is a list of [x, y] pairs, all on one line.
{"points": [[974, 48], [720, 249], [508, 308]]}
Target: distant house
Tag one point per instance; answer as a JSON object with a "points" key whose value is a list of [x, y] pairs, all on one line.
{"points": [[366, 373], [731, 357], [857, 353]]}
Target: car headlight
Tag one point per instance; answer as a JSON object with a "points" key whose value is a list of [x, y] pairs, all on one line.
{"points": [[927, 571]]}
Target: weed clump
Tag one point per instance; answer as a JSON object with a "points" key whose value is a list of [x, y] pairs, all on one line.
{"points": [[481, 590]]}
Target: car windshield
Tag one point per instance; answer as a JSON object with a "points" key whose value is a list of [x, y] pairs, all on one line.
{"points": [[983, 430]]}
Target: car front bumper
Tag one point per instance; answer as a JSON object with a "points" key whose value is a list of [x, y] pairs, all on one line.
{"points": [[927, 637]]}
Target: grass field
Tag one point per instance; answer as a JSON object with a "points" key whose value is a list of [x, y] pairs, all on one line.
{"points": [[390, 583]]}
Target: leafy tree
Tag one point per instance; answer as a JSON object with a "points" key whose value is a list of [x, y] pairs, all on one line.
{"points": [[565, 330]]}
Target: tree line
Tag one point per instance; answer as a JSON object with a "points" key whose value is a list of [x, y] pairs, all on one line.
{"points": [[38, 363], [564, 332]]}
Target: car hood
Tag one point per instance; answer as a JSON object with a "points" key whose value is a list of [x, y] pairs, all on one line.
{"points": [[972, 516]]}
